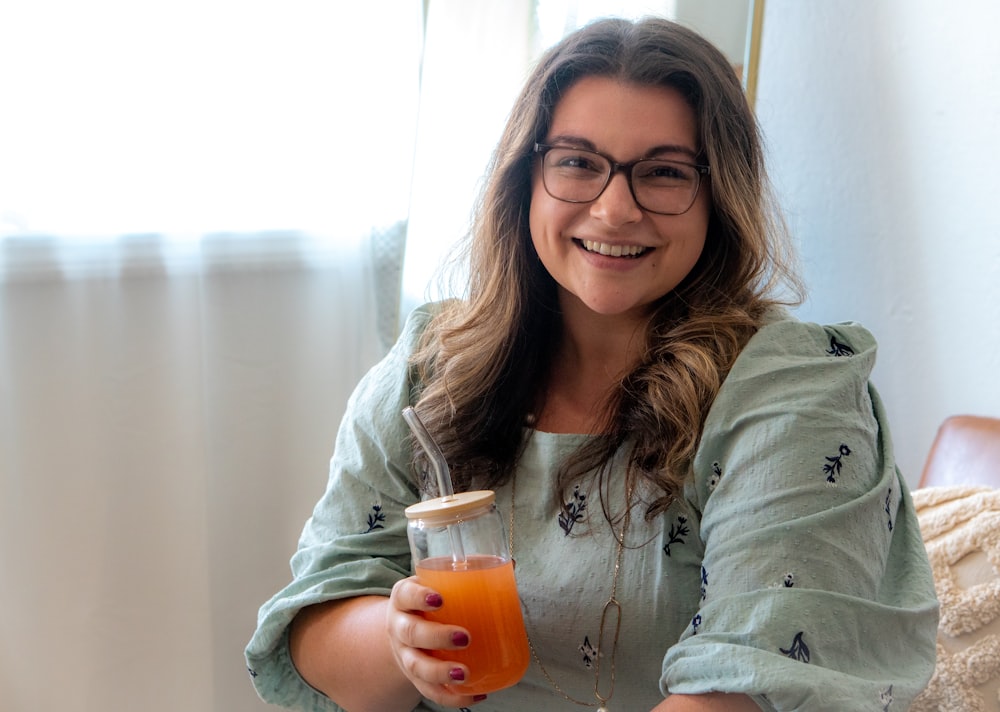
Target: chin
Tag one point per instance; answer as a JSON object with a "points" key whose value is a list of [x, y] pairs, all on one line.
{"points": [[615, 308]]}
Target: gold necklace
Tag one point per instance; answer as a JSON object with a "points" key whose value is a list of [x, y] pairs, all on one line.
{"points": [[612, 605]]}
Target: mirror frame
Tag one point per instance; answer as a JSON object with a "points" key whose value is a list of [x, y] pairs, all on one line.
{"points": [[752, 64]]}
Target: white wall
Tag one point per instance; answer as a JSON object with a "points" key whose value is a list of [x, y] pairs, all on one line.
{"points": [[881, 120], [724, 22]]}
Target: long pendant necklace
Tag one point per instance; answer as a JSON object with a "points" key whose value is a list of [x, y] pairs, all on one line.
{"points": [[611, 608]]}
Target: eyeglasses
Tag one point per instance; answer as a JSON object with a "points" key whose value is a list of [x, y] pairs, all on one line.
{"points": [[576, 175]]}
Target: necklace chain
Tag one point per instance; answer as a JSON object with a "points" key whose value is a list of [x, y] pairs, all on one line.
{"points": [[611, 606]]}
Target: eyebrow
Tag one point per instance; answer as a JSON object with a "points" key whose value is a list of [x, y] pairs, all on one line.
{"points": [[654, 152]]}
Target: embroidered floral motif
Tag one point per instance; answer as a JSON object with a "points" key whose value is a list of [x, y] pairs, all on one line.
{"points": [[573, 510], [588, 652], [885, 697], [713, 481], [834, 464], [839, 349], [798, 650], [678, 531], [375, 518], [704, 582], [888, 508], [695, 623], [787, 581]]}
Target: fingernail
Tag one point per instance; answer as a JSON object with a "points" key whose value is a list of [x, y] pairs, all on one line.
{"points": [[478, 698], [459, 639], [434, 600], [457, 674]]}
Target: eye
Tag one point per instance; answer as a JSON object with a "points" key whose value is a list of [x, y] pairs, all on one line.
{"points": [[576, 162], [664, 173]]}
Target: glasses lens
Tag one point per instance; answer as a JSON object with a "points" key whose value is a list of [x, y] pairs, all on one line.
{"points": [[665, 186], [574, 174]]}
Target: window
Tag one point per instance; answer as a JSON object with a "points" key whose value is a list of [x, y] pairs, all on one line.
{"points": [[189, 116]]}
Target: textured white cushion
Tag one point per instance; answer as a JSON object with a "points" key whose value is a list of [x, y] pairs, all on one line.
{"points": [[961, 529]]}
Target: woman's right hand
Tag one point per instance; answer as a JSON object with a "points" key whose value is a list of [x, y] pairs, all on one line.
{"points": [[411, 636]]}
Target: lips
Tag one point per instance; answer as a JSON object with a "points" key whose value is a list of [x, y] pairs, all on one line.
{"points": [[609, 250]]}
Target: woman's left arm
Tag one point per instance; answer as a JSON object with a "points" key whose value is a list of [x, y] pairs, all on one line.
{"points": [[816, 591]]}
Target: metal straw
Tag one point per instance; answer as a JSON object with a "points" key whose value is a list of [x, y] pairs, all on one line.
{"points": [[440, 465]]}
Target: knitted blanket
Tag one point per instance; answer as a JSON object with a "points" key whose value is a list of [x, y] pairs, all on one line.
{"points": [[961, 529]]}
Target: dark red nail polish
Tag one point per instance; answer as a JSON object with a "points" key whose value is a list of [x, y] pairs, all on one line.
{"points": [[457, 674], [459, 639], [434, 600], [478, 698]]}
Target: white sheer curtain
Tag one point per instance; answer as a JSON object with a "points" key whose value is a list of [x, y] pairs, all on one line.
{"points": [[200, 201], [163, 434]]}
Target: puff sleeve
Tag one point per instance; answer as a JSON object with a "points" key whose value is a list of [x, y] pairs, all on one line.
{"points": [[816, 591]]}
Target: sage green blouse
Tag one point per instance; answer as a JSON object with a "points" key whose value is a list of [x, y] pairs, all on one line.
{"points": [[792, 571]]}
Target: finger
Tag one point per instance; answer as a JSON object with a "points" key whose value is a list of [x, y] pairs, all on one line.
{"points": [[434, 678], [418, 665], [409, 595], [415, 631]]}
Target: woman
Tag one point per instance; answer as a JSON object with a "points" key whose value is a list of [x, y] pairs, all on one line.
{"points": [[662, 437]]}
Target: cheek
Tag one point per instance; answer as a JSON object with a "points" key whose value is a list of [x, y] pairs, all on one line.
{"points": [[539, 200], [543, 216]]}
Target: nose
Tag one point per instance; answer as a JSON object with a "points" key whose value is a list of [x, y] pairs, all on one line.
{"points": [[616, 206]]}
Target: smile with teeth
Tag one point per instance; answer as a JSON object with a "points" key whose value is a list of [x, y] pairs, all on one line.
{"points": [[604, 248]]}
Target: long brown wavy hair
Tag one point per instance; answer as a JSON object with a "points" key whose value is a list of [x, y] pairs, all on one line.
{"points": [[484, 358]]}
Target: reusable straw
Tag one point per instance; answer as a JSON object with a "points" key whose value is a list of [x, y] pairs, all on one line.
{"points": [[438, 461], [441, 471]]}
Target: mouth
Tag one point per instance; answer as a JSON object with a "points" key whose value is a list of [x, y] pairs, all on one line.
{"points": [[609, 250]]}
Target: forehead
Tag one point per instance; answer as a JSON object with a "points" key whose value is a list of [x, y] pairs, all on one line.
{"points": [[623, 118]]}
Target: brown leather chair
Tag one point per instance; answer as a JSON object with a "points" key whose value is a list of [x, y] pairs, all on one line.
{"points": [[966, 451]]}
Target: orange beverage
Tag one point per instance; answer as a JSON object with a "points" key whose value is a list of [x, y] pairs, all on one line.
{"points": [[481, 596]]}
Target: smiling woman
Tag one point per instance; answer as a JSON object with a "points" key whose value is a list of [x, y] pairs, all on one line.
{"points": [[658, 430]]}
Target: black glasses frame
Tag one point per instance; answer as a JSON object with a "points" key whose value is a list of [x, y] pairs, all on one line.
{"points": [[702, 170]]}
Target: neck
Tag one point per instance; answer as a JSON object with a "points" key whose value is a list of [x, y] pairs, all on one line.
{"points": [[599, 346], [593, 353]]}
